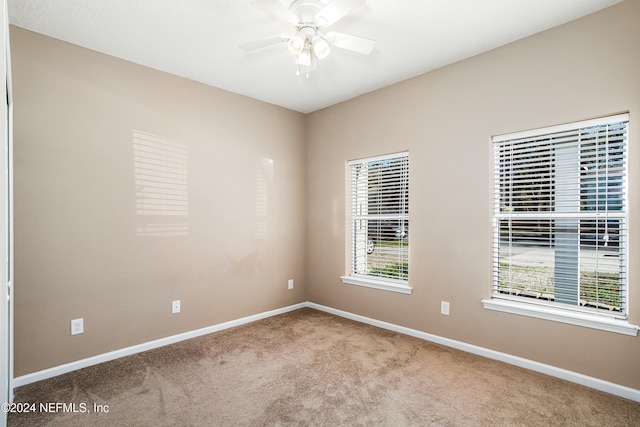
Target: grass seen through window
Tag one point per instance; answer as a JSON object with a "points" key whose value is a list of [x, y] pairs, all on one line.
{"points": [[597, 289]]}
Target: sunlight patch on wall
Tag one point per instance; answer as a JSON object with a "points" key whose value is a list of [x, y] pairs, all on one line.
{"points": [[160, 174], [264, 182]]}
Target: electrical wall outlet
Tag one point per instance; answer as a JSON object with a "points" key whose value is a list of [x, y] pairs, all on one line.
{"points": [[290, 284], [444, 308], [175, 306], [77, 326]]}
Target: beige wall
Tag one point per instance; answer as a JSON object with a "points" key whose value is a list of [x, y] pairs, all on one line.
{"points": [[79, 252], [82, 249], [584, 69]]}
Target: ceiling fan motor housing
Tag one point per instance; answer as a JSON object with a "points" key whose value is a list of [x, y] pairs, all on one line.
{"points": [[307, 43], [306, 11], [307, 37]]}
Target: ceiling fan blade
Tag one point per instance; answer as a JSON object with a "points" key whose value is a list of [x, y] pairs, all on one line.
{"points": [[349, 42], [335, 10], [279, 10], [259, 44]]}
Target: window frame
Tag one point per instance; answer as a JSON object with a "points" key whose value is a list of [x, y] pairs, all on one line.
{"points": [[366, 280], [551, 310]]}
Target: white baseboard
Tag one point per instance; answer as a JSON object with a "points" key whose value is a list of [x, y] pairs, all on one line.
{"points": [[574, 377], [595, 383], [105, 357]]}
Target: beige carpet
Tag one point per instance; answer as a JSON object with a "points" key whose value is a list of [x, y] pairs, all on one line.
{"points": [[311, 368]]}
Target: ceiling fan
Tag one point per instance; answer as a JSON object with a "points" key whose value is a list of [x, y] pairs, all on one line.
{"points": [[307, 43]]}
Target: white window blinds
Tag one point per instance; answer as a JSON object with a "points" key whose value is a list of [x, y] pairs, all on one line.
{"points": [[380, 217], [560, 235]]}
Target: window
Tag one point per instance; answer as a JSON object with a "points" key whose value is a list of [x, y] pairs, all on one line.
{"points": [[379, 222], [560, 218]]}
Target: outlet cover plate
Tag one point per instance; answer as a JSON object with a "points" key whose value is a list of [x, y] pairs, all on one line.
{"points": [[444, 308], [77, 326], [175, 306]]}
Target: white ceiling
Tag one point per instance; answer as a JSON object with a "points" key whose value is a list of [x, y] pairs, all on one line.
{"points": [[198, 39]]}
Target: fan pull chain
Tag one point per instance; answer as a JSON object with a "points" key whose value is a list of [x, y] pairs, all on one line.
{"points": [[298, 70]]}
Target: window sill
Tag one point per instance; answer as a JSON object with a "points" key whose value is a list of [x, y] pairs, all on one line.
{"points": [[382, 284], [564, 316]]}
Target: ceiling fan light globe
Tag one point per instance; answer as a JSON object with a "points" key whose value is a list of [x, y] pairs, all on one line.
{"points": [[321, 48], [296, 44]]}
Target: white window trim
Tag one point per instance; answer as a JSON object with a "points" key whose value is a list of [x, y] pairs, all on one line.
{"points": [[382, 284], [563, 127], [562, 315], [377, 158]]}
